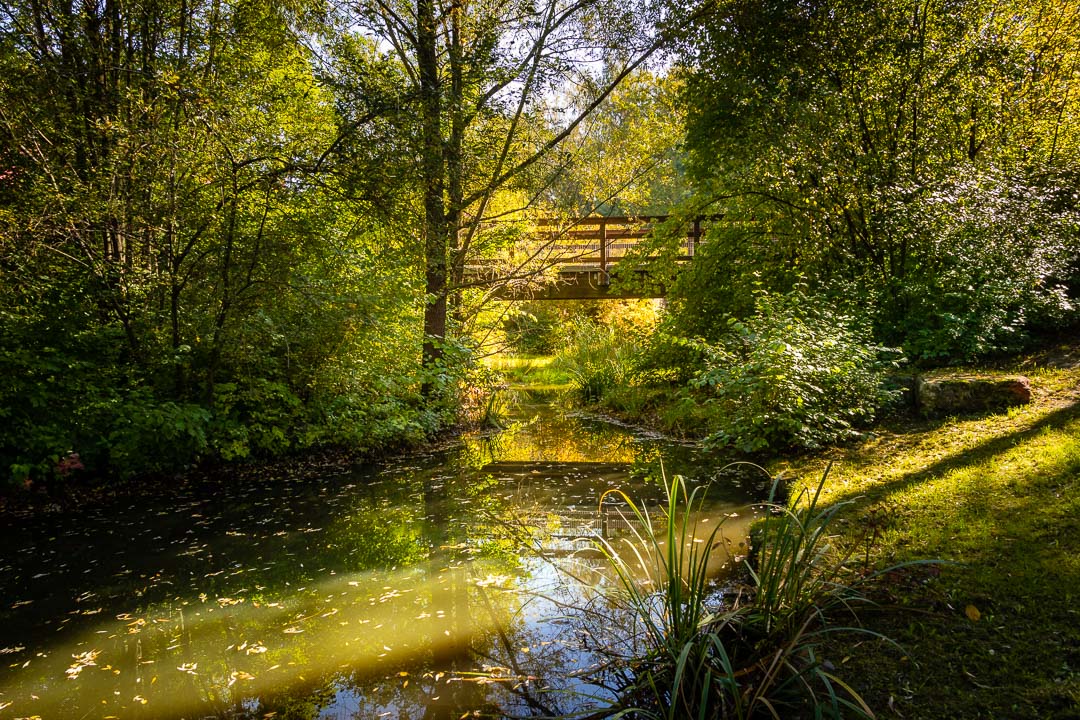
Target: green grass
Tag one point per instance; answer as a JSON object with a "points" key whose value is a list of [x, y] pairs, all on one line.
{"points": [[997, 634], [532, 371]]}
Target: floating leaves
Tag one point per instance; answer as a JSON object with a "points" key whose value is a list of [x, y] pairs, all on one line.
{"points": [[255, 648], [82, 661], [239, 675], [254, 563]]}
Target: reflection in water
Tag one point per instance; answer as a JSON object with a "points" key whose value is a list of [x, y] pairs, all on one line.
{"points": [[427, 588]]}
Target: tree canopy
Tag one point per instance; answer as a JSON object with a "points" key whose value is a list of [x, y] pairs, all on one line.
{"points": [[917, 157], [245, 228]]}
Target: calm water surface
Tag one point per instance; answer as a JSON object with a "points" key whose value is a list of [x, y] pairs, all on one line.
{"points": [[433, 586]]}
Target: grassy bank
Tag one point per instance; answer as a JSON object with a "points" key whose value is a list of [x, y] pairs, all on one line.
{"points": [[997, 634]]}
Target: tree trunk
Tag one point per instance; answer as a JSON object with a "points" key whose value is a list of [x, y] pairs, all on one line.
{"points": [[454, 163], [435, 230]]}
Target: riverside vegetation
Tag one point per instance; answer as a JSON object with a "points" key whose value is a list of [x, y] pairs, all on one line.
{"points": [[990, 630], [232, 232], [690, 652]]}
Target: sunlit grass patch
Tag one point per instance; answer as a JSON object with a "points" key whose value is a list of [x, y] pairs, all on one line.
{"points": [[998, 633], [533, 371], [510, 362]]}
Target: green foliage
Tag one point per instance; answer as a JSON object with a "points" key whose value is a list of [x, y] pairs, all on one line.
{"points": [[794, 373], [995, 253], [628, 160], [914, 160], [533, 329], [258, 417], [695, 653], [599, 358], [190, 271], [147, 435]]}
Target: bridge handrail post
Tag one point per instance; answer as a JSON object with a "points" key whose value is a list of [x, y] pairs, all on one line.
{"points": [[603, 247]]}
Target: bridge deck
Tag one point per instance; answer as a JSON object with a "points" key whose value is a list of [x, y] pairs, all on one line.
{"points": [[603, 241]]}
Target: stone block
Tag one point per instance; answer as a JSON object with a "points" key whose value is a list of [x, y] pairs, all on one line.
{"points": [[957, 394]]}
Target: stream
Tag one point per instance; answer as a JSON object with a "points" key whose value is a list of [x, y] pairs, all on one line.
{"points": [[465, 582]]}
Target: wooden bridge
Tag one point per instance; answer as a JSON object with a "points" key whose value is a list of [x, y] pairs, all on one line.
{"points": [[584, 252]]}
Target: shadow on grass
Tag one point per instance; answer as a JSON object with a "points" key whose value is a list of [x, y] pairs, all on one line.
{"points": [[968, 457], [1002, 635]]}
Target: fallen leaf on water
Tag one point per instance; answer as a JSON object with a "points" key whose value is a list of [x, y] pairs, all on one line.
{"points": [[139, 699], [239, 675], [973, 613]]}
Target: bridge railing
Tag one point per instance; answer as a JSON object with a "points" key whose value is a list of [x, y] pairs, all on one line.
{"points": [[599, 242]]}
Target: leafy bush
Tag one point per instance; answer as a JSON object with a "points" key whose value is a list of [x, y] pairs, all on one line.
{"points": [[532, 329], [794, 373], [991, 258], [151, 436]]}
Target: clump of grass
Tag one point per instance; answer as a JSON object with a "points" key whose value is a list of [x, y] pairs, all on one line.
{"points": [[691, 652], [598, 358]]}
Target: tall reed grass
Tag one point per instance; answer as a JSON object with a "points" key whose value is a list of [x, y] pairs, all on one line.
{"points": [[692, 651]]}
